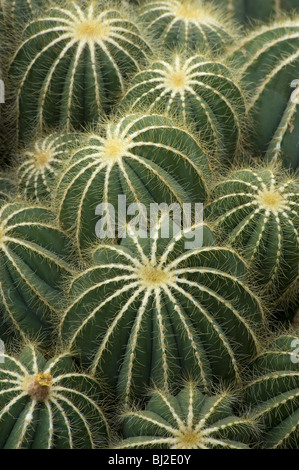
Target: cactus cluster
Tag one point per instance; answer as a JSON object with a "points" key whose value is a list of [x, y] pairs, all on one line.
{"points": [[149, 224]]}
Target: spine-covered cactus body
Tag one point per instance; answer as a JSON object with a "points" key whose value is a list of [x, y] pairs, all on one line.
{"points": [[82, 55], [248, 11], [269, 64], [258, 212], [7, 188], [41, 163], [189, 420], [273, 394], [146, 158], [149, 311], [16, 12], [33, 254], [201, 91], [189, 24], [47, 405]]}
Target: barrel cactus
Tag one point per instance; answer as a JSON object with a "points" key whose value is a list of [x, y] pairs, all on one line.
{"points": [[198, 90], [47, 405], [88, 51], [33, 265], [258, 212], [148, 312], [40, 164], [145, 157], [186, 24], [189, 420], [17, 12], [269, 65], [273, 393], [247, 11]]}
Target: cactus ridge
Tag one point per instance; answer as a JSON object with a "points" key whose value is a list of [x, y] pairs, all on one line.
{"points": [[197, 90], [93, 49], [145, 157], [33, 254], [186, 23], [158, 305], [189, 420], [41, 165], [273, 393], [258, 211], [48, 405]]}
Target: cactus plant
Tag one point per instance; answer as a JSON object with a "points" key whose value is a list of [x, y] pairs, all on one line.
{"points": [[33, 254], [258, 212], [16, 12], [247, 11], [148, 311], [189, 420], [269, 66], [41, 163], [273, 393], [187, 24], [47, 405], [198, 90], [145, 157], [72, 66]]}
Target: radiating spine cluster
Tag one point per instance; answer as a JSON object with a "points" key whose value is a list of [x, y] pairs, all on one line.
{"points": [[54, 406]]}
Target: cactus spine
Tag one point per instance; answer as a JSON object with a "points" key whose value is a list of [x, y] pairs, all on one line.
{"points": [[148, 311], [257, 211], [145, 157], [33, 254], [186, 24], [88, 51], [199, 91], [269, 66], [47, 405], [41, 163], [273, 393], [189, 420]]}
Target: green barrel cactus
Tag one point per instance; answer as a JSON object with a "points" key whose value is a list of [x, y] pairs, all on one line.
{"points": [[7, 188], [72, 66], [16, 13], [151, 310], [258, 212], [247, 11], [273, 394], [190, 24], [198, 90], [40, 164], [33, 265], [269, 64], [145, 157], [48, 405], [189, 420]]}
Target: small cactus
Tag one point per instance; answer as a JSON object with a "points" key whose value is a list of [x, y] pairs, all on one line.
{"points": [[148, 311], [189, 420], [273, 393], [78, 55], [187, 24], [198, 90], [269, 66], [41, 163], [47, 405], [258, 212], [33, 254], [145, 157]]}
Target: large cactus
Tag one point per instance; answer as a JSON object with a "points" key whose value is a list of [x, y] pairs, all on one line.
{"points": [[72, 65], [198, 90], [40, 164], [269, 64], [258, 211], [146, 157], [273, 393], [189, 420], [47, 405], [33, 254], [186, 24], [149, 311]]}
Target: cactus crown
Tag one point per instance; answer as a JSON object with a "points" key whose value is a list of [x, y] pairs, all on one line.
{"points": [[188, 420]]}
